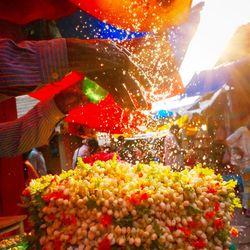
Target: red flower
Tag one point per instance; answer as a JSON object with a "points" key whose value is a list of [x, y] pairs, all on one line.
{"points": [[134, 199], [199, 244], [55, 195], [106, 220], [57, 244], [194, 224], [26, 192], [172, 228], [73, 219], [140, 174], [216, 206], [186, 231], [65, 220], [144, 196], [219, 224], [104, 244], [52, 217], [137, 197], [209, 215], [211, 190]]}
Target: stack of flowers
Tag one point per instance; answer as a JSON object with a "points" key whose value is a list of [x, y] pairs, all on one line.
{"points": [[113, 205]]}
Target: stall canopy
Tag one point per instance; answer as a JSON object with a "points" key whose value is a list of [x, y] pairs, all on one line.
{"points": [[212, 80], [137, 15], [133, 15], [205, 87], [181, 35]]}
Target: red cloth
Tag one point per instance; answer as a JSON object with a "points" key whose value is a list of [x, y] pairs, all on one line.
{"points": [[106, 116], [54, 88]]}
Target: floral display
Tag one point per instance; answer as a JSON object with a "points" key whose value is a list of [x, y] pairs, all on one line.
{"points": [[114, 205], [16, 242]]}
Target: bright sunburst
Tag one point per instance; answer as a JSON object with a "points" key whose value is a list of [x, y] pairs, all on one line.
{"points": [[219, 20]]}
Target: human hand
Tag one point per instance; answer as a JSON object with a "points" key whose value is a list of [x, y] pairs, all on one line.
{"points": [[70, 98], [111, 67]]}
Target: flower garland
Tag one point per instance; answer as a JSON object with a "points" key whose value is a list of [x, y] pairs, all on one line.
{"points": [[113, 205]]}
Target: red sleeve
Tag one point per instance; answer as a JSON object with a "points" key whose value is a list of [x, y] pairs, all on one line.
{"points": [[23, 12]]}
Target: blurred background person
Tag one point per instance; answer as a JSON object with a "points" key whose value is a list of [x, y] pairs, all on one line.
{"points": [[239, 144], [172, 149], [89, 148], [37, 160]]}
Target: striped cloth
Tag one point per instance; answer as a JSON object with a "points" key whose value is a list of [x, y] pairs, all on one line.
{"points": [[23, 67], [28, 64], [31, 130]]}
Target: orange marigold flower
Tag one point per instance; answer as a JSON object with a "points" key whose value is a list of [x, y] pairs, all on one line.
{"points": [[234, 232]]}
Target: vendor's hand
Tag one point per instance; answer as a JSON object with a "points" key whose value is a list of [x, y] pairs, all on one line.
{"points": [[110, 67], [70, 98]]}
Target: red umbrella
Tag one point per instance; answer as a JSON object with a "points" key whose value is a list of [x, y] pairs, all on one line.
{"points": [[106, 116]]}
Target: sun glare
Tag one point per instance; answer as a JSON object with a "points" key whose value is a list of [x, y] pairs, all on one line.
{"points": [[219, 21]]}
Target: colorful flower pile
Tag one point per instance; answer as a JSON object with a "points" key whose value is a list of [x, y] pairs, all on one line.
{"points": [[16, 242], [113, 205]]}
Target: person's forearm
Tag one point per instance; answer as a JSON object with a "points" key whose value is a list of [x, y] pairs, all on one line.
{"points": [[233, 137], [31, 130]]}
